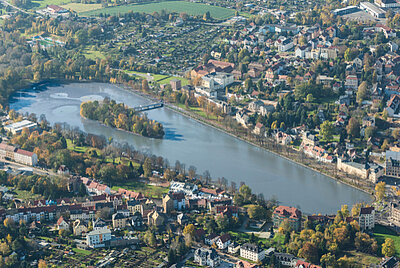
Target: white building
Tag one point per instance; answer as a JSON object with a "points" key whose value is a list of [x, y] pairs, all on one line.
{"points": [[223, 241], [182, 187], [97, 238], [207, 257], [252, 252], [366, 219], [16, 128]]}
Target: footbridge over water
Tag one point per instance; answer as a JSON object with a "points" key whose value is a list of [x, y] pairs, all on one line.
{"points": [[149, 107]]}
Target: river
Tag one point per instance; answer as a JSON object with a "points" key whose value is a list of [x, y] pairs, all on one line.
{"points": [[193, 143]]}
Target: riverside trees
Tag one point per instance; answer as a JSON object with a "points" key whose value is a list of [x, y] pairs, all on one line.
{"points": [[120, 116]]}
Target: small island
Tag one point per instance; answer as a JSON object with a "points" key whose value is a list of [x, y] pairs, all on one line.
{"points": [[118, 115]]}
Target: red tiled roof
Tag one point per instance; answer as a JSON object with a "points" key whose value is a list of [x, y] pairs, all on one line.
{"points": [[290, 212]]}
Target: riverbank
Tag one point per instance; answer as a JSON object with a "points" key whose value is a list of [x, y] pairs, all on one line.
{"points": [[328, 170]]}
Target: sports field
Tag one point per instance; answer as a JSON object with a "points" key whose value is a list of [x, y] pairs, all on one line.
{"points": [[171, 6]]}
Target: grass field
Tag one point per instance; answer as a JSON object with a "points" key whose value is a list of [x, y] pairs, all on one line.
{"points": [[170, 6], [79, 7], [93, 55], [81, 251], [26, 195], [146, 189], [40, 4], [381, 233]]}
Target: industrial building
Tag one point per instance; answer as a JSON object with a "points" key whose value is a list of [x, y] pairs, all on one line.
{"points": [[345, 10], [372, 9]]}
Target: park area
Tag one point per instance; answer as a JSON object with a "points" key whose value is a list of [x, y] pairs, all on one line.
{"points": [[190, 8]]}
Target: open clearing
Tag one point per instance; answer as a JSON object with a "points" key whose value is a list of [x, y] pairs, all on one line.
{"points": [[40, 4], [79, 7], [170, 6]]}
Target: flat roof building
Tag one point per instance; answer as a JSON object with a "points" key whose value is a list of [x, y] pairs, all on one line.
{"points": [[16, 128], [372, 9]]}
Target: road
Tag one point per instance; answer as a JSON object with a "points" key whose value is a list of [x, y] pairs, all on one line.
{"points": [[36, 170], [5, 3]]}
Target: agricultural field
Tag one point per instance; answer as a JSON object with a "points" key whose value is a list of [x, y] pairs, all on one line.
{"points": [[170, 6], [79, 7], [40, 4]]}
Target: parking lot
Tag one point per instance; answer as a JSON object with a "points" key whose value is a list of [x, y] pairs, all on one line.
{"points": [[362, 16]]}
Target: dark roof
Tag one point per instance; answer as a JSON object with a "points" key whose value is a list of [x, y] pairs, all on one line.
{"points": [[367, 210]]}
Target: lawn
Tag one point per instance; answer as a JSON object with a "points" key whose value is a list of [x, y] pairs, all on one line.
{"points": [[81, 251], [40, 4], [381, 233], [198, 111], [26, 195], [167, 79], [170, 6], [93, 55], [79, 7], [78, 149], [146, 189]]}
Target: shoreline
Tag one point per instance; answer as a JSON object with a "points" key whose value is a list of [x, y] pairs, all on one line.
{"points": [[205, 122], [189, 115]]}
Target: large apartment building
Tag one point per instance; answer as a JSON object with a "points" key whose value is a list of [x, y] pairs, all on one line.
{"points": [[12, 153]]}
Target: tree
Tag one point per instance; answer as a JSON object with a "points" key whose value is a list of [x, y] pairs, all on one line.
{"points": [[145, 85], [256, 212], [362, 92], [42, 264], [206, 16], [310, 252], [147, 167], [388, 248], [245, 192], [310, 98], [369, 132], [171, 257], [189, 230], [353, 128], [327, 130], [380, 190], [345, 211], [329, 260], [396, 133], [150, 238]]}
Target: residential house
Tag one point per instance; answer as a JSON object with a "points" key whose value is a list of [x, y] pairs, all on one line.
{"points": [[245, 264], [79, 228], [223, 241], [285, 259], [395, 214], [392, 106], [119, 220], [98, 238], [210, 239], [283, 138], [99, 224], [392, 164], [290, 214], [207, 257], [242, 117], [62, 224], [137, 220], [155, 218], [259, 129], [351, 82], [303, 264], [252, 252], [233, 248], [366, 219]]}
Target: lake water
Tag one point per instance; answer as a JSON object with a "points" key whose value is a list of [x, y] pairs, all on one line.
{"points": [[195, 144]]}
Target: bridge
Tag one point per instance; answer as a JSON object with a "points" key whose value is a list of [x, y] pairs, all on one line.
{"points": [[149, 107]]}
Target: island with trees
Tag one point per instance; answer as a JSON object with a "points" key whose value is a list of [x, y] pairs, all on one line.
{"points": [[118, 115]]}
